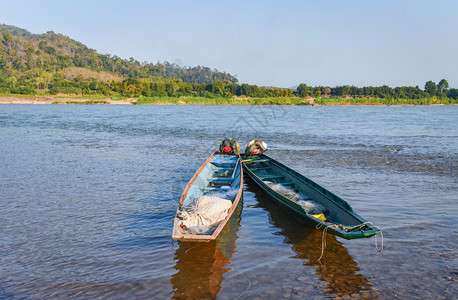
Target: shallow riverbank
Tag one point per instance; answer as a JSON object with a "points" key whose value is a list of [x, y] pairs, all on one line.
{"points": [[60, 100], [99, 100]]}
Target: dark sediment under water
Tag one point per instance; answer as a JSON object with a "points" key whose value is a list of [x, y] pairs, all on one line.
{"points": [[88, 193]]}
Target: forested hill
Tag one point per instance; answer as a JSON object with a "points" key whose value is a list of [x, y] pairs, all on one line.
{"points": [[25, 54]]}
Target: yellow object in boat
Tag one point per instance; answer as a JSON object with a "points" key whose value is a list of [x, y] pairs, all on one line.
{"points": [[320, 217]]}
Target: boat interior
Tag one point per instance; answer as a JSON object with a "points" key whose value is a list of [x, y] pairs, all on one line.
{"points": [[221, 175], [271, 172], [262, 168]]}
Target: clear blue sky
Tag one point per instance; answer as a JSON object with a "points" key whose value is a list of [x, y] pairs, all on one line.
{"points": [[278, 43]]}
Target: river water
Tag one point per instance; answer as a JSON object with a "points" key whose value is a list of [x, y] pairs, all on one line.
{"points": [[88, 193]]}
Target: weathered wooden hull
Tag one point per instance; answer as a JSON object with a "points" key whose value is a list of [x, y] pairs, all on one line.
{"points": [[344, 222], [204, 181]]}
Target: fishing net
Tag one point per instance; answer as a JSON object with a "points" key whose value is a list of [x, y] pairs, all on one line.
{"points": [[284, 191], [229, 195], [309, 206], [204, 214]]}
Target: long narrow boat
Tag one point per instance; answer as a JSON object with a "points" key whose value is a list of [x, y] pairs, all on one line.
{"points": [[307, 200], [219, 176]]}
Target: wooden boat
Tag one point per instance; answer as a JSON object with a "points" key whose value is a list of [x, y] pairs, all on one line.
{"points": [[338, 216], [218, 174]]}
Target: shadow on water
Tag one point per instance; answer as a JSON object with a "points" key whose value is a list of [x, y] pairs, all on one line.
{"points": [[201, 266], [337, 268]]}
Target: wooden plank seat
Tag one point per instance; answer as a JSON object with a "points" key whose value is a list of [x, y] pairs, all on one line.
{"points": [[256, 161], [259, 169], [220, 180], [223, 164], [268, 177], [222, 169], [215, 189]]}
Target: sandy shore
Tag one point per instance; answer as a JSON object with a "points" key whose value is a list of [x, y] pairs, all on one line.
{"points": [[57, 100], [60, 100]]}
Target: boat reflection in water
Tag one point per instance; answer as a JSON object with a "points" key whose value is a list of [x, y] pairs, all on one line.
{"points": [[337, 267], [201, 266]]}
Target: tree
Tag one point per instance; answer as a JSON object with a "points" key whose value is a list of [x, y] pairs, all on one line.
{"points": [[303, 90], [430, 88], [345, 90], [326, 91], [453, 93], [42, 45], [7, 37], [442, 85], [13, 81]]}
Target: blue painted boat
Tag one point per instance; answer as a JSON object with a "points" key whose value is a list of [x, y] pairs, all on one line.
{"points": [[218, 175], [298, 195]]}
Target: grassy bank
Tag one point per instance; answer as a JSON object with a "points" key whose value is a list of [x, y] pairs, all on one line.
{"points": [[84, 102], [221, 101], [64, 96], [192, 100], [292, 101], [384, 101]]}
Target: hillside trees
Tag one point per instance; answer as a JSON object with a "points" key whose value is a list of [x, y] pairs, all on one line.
{"points": [[56, 51]]}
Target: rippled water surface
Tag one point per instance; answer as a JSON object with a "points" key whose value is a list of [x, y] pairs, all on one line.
{"points": [[88, 193]]}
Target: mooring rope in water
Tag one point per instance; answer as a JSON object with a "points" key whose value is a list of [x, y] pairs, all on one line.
{"points": [[186, 252], [323, 237], [357, 227], [249, 285], [381, 239], [375, 237]]}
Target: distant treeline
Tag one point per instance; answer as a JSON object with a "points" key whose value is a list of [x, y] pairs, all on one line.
{"points": [[131, 87], [55, 64], [431, 89]]}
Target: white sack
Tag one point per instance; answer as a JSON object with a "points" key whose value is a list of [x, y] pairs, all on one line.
{"points": [[204, 214]]}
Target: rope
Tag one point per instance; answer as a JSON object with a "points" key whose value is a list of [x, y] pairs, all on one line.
{"points": [[360, 226], [249, 285], [186, 252], [357, 227], [375, 241], [375, 237], [323, 237]]}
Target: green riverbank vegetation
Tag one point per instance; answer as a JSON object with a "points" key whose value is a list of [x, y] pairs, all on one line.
{"points": [[52, 64], [292, 101]]}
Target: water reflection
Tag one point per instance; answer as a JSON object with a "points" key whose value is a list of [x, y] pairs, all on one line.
{"points": [[201, 266], [337, 268]]}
